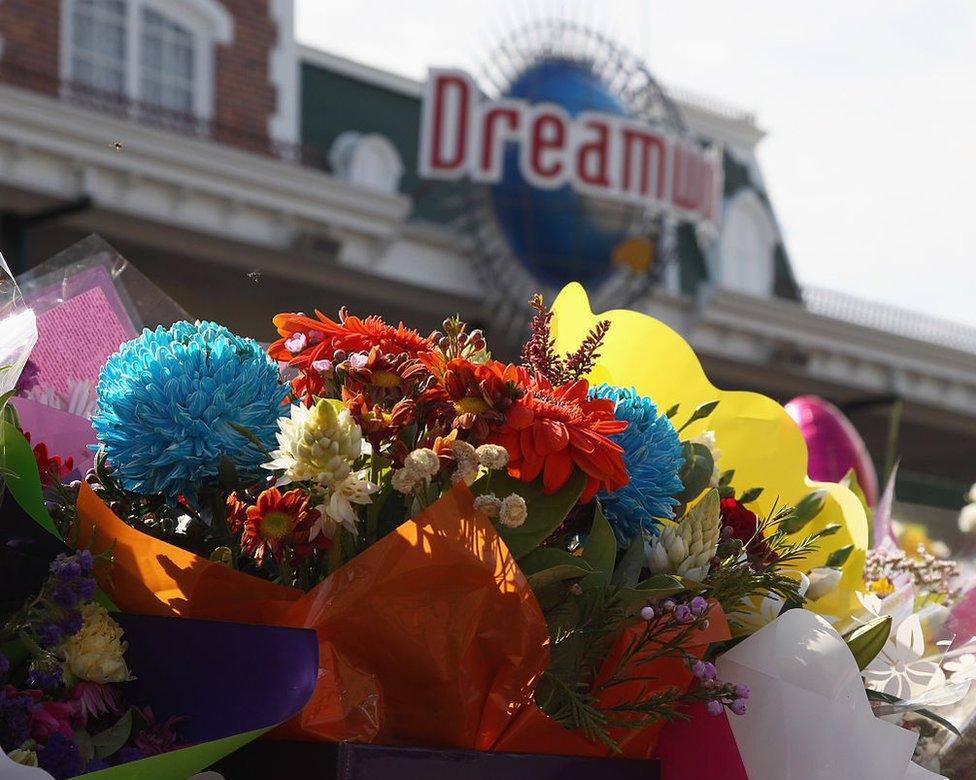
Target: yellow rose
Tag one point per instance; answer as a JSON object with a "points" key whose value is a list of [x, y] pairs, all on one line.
{"points": [[95, 653]]}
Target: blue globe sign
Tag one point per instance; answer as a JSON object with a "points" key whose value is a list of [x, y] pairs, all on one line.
{"points": [[560, 235]]}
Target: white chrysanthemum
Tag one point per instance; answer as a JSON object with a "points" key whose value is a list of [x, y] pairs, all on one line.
{"points": [[513, 511], [492, 456], [424, 461], [317, 444], [404, 481], [488, 503], [687, 548], [466, 458]]}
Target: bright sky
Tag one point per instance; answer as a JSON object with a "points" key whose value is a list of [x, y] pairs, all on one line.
{"points": [[870, 108]]}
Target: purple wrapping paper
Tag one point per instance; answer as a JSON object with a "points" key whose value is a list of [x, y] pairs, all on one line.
{"points": [[228, 677]]}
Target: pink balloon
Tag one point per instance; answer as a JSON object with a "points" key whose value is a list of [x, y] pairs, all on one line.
{"points": [[833, 444]]}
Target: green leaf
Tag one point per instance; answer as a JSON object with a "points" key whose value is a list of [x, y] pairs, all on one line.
{"points": [[866, 641], [546, 565], [830, 530], [750, 495], [670, 413], [701, 412], [600, 550], [545, 512], [628, 570], [805, 510], [85, 747], [113, 738], [726, 491], [17, 457], [725, 478], [696, 472], [251, 436], [839, 557], [558, 574], [661, 584]]}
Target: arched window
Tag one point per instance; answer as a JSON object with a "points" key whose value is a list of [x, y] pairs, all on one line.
{"points": [[747, 244], [157, 53]]}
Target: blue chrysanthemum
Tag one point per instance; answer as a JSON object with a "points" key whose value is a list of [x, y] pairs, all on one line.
{"points": [[166, 401], [652, 454]]}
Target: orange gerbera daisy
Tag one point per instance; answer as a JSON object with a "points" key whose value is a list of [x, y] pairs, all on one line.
{"points": [[551, 430], [476, 395], [275, 520], [310, 344]]}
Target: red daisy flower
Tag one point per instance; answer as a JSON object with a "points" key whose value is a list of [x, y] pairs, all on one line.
{"points": [[471, 396], [549, 430], [310, 344], [275, 520]]}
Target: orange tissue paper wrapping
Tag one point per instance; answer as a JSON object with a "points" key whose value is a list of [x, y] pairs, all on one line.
{"points": [[431, 636]]}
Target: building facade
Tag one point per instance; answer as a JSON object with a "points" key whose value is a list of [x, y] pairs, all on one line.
{"points": [[246, 174]]}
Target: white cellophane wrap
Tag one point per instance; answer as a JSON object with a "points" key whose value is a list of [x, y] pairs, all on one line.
{"points": [[809, 717]]}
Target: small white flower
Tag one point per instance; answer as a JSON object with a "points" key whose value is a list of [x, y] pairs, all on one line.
{"points": [[492, 456], [466, 458], [488, 503], [424, 461], [338, 510], [513, 511], [404, 481]]}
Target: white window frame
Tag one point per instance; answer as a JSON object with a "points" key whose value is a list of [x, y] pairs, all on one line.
{"points": [[207, 21]]}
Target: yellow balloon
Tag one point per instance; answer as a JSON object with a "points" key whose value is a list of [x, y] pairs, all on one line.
{"points": [[754, 434]]}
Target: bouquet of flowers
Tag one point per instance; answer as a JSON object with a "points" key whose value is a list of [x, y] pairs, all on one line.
{"points": [[573, 553]]}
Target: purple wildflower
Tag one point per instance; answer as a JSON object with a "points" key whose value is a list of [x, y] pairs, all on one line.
{"points": [[84, 558], [647, 613], [15, 714], [48, 635], [65, 596], [66, 568], [682, 614], [86, 588], [71, 623], [714, 708], [739, 706], [742, 691], [60, 757], [43, 675], [698, 606]]}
